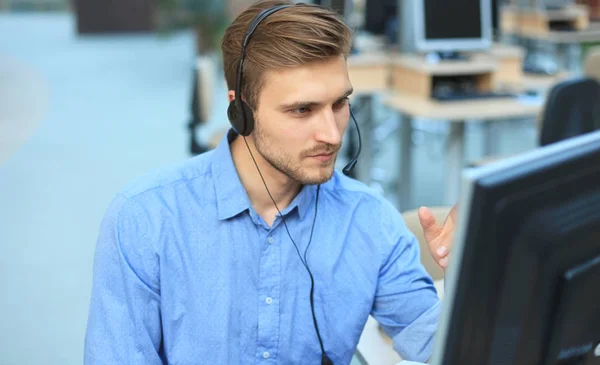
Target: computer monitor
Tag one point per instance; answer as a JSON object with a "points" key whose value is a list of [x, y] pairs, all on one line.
{"points": [[452, 26], [496, 6], [523, 286], [379, 15], [337, 5], [547, 4]]}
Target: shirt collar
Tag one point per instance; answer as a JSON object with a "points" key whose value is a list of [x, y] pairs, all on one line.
{"points": [[232, 198]]}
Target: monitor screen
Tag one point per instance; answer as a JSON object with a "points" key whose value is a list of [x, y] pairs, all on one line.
{"points": [[379, 14], [453, 19], [522, 286], [458, 25]]}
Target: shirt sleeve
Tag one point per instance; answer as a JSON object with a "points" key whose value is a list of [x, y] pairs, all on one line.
{"points": [[406, 303], [124, 317]]}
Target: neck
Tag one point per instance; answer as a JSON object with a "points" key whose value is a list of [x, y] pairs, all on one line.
{"points": [[282, 188]]}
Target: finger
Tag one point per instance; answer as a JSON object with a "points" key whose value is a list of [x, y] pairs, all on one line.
{"points": [[453, 214], [446, 235], [442, 251], [430, 229], [444, 262]]}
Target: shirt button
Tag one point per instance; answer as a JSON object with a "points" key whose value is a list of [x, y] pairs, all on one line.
{"points": [[270, 240], [269, 300], [266, 354]]}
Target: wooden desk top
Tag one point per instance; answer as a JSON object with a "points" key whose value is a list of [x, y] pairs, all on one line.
{"points": [[534, 82], [477, 63], [370, 59], [371, 80], [459, 111], [591, 34], [582, 36]]}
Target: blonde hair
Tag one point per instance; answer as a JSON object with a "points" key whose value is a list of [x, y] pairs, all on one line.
{"points": [[288, 38]]}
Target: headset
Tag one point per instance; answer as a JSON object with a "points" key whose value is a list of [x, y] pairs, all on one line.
{"points": [[241, 117]]}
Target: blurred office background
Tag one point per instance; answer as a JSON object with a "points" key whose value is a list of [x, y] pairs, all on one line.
{"points": [[94, 94]]}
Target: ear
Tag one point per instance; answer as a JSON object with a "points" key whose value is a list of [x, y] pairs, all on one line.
{"points": [[231, 95]]}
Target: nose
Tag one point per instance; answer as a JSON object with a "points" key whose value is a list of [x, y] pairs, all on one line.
{"points": [[328, 130]]}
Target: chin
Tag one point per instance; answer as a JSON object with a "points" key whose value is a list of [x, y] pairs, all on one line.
{"points": [[320, 176]]}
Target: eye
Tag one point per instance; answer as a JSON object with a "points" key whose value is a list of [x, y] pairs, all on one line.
{"points": [[339, 104], [301, 111]]}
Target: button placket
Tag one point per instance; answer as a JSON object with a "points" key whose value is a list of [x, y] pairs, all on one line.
{"points": [[269, 287]]}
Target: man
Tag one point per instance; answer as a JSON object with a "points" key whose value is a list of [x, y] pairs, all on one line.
{"points": [[213, 261]]}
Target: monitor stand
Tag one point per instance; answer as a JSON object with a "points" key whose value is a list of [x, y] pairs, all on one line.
{"points": [[439, 56]]}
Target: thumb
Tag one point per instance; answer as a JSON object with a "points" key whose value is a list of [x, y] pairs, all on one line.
{"points": [[430, 228]]}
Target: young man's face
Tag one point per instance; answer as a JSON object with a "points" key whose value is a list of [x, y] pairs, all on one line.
{"points": [[301, 117]]}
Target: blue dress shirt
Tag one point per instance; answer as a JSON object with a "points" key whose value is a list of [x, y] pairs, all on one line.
{"points": [[186, 272]]}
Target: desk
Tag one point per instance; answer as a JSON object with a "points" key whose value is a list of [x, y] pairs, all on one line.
{"points": [[456, 113], [541, 83], [569, 41], [370, 74]]}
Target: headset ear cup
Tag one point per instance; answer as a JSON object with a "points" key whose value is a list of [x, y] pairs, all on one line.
{"points": [[237, 119], [249, 125], [234, 117]]}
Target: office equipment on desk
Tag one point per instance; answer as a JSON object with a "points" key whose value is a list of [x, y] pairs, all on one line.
{"points": [[452, 27], [542, 21], [567, 46], [342, 7], [457, 88], [495, 10], [470, 95], [451, 80], [522, 286], [381, 18], [541, 63], [544, 4], [572, 108]]}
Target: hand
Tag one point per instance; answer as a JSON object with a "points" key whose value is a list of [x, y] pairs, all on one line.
{"points": [[438, 237]]}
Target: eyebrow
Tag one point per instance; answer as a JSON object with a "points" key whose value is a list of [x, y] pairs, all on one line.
{"points": [[305, 104]]}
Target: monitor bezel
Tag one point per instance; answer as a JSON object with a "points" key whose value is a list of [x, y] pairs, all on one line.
{"points": [[471, 179], [452, 44]]}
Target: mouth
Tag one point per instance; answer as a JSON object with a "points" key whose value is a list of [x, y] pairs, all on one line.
{"points": [[324, 157]]}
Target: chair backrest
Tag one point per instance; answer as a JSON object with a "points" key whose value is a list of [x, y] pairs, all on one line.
{"points": [[203, 85], [572, 108], [411, 218]]}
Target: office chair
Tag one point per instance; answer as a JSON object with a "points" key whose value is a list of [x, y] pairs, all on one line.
{"points": [[195, 147], [201, 102], [572, 108]]}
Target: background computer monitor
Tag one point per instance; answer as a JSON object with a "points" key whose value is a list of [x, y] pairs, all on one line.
{"points": [[378, 14], [454, 26], [546, 4], [524, 282], [341, 6], [496, 5]]}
